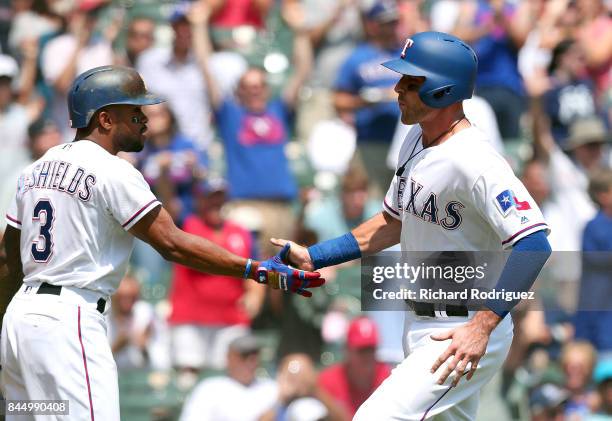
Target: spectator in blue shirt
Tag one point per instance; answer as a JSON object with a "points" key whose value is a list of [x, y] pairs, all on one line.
{"points": [[594, 321], [363, 86], [255, 129], [572, 93], [497, 29], [363, 92], [171, 163]]}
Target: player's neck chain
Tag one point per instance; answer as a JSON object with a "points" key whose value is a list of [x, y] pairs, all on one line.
{"points": [[401, 169], [444, 133]]}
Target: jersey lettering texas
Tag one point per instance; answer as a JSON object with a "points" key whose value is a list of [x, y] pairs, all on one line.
{"points": [[60, 176], [429, 210]]}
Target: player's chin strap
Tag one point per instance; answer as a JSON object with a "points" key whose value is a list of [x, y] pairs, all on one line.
{"points": [[525, 262]]}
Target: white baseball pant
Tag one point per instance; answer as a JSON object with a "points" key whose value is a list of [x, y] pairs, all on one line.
{"points": [[411, 392], [56, 348]]}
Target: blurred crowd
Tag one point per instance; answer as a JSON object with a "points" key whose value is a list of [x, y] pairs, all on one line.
{"points": [[280, 122]]}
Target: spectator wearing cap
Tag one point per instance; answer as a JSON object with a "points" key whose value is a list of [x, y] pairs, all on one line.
{"points": [[177, 73], [586, 143], [497, 30], [239, 395], [209, 310], [571, 96], [363, 88], [547, 401], [255, 128], [79, 49], [603, 379], [353, 381], [567, 174], [593, 323]]}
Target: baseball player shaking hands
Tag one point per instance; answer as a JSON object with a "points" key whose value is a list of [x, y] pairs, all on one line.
{"points": [[70, 234], [451, 192]]}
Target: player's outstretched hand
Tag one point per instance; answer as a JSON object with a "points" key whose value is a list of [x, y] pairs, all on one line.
{"points": [[468, 345], [280, 276], [293, 254]]}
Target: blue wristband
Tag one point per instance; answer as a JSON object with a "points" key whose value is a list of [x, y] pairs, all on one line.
{"points": [[333, 252], [247, 269]]}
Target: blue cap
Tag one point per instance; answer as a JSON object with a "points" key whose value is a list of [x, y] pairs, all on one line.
{"points": [[383, 11], [180, 12]]}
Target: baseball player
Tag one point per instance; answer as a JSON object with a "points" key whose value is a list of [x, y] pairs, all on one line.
{"points": [[451, 192], [70, 234]]}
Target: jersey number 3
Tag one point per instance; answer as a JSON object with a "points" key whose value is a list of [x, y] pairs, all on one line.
{"points": [[42, 248]]}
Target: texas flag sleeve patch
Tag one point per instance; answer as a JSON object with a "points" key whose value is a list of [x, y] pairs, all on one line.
{"points": [[507, 200]]}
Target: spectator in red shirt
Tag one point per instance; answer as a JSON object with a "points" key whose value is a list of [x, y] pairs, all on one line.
{"points": [[209, 311], [354, 380]]}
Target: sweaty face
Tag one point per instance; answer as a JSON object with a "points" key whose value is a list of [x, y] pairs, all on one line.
{"points": [[130, 125], [413, 110]]}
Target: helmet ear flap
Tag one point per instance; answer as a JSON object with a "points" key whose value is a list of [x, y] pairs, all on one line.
{"points": [[439, 97], [439, 93]]}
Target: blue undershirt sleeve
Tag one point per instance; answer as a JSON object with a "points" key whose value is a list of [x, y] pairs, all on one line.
{"points": [[525, 262]]}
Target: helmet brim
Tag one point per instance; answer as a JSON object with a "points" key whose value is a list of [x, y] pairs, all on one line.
{"points": [[401, 66], [147, 99]]}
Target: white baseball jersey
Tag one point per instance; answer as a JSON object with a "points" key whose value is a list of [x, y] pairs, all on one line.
{"points": [[74, 207], [459, 195]]}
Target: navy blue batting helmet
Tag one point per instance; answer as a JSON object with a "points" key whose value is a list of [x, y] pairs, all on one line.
{"points": [[448, 64], [102, 86]]}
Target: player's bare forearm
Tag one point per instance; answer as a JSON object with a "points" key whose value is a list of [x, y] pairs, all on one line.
{"points": [[11, 271], [378, 233], [487, 320], [158, 229], [203, 255]]}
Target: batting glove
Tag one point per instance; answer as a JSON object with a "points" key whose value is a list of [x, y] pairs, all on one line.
{"points": [[280, 276]]}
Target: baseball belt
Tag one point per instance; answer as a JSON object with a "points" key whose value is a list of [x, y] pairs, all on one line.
{"points": [[46, 288], [434, 309]]}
